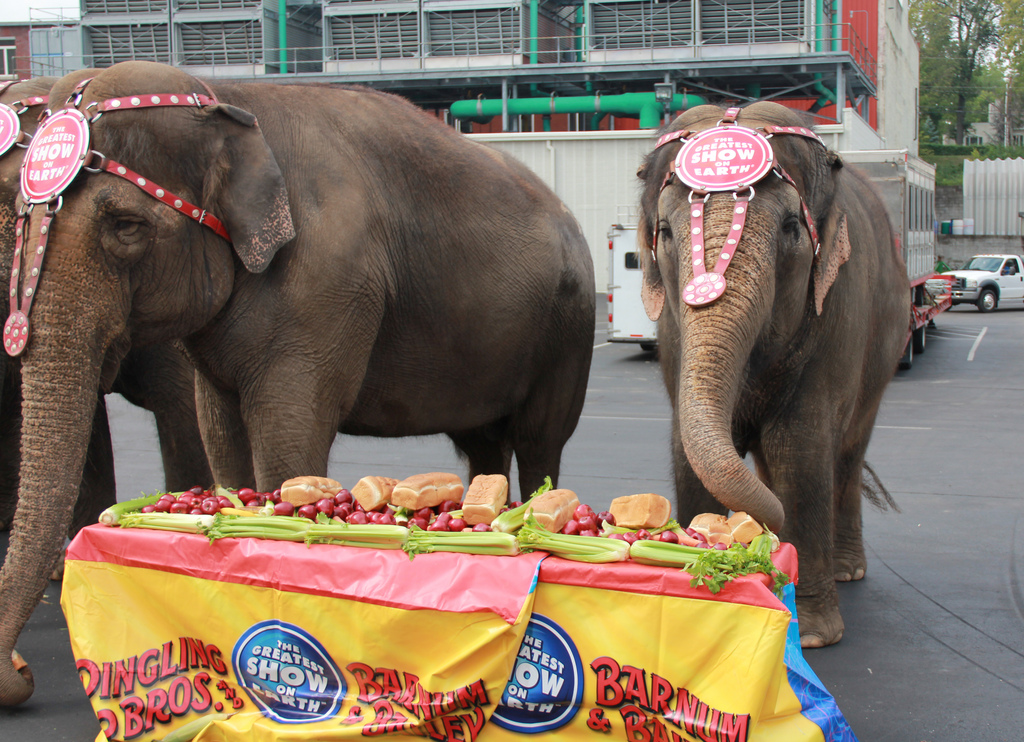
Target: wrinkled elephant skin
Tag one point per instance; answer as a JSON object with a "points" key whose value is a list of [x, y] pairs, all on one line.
{"points": [[385, 277], [790, 363]]}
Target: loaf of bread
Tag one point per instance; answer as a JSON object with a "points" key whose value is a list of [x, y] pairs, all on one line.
{"points": [[646, 510], [373, 493], [744, 528], [427, 490], [485, 498], [710, 522], [554, 508], [301, 491]]}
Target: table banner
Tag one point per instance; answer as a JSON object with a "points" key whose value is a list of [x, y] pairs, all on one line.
{"points": [[267, 640]]}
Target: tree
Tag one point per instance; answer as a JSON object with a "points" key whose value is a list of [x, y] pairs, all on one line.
{"points": [[957, 38]]}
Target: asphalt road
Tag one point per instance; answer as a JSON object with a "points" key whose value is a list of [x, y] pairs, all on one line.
{"points": [[934, 643]]}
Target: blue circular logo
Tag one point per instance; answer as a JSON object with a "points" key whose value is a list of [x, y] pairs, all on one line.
{"points": [[545, 689], [287, 673]]}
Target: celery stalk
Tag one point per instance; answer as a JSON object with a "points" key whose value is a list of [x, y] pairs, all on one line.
{"points": [[112, 515], [275, 527], [345, 534], [595, 550], [493, 543], [180, 522]]}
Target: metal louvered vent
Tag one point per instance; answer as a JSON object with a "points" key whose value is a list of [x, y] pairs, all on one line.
{"points": [[124, 6], [217, 4], [112, 44], [751, 21], [642, 25], [374, 36], [459, 33], [227, 42]]}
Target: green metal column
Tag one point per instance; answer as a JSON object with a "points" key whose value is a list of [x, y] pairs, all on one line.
{"points": [[282, 35], [534, 29]]}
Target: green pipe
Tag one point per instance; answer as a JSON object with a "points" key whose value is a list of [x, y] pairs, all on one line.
{"points": [[282, 35], [580, 20], [819, 18], [837, 15], [534, 29], [631, 105], [826, 96]]}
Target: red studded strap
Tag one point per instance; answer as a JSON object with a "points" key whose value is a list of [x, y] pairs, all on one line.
{"points": [[195, 100]]}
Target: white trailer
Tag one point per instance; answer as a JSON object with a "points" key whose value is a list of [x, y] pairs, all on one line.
{"points": [[627, 320]]}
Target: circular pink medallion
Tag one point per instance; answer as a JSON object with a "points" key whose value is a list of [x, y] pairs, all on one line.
{"points": [[10, 127], [726, 158], [15, 333], [704, 289], [57, 153]]}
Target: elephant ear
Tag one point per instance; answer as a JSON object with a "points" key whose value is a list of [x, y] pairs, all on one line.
{"points": [[835, 250], [652, 291], [247, 185]]}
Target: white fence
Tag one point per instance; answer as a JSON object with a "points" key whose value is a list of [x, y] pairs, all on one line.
{"points": [[994, 195]]}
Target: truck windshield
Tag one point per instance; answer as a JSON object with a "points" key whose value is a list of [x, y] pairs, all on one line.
{"points": [[983, 264]]}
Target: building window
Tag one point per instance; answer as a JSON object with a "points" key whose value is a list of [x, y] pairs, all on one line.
{"points": [[8, 67], [1017, 140], [972, 139]]}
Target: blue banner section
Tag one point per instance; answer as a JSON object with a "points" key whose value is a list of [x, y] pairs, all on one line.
{"points": [[817, 703]]}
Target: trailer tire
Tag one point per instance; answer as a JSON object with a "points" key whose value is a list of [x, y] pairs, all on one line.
{"points": [[649, 347], [908, 356], [987, 301], [919, 339]]}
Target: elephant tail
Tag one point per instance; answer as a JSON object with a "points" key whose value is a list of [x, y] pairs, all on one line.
{"points": [[875, 492]]}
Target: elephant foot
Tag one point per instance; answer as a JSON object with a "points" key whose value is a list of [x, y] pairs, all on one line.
{"points": [[820, 621], [849, 562]]}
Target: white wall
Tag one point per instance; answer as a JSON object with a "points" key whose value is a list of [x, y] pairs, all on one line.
{"points": [[898, 77]]}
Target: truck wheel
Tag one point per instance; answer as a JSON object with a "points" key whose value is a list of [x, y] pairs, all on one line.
{"points": [[987, 301], [649, 347], [908, 357], [919, 339]]}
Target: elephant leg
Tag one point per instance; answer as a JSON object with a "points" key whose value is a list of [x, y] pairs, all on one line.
{"points": [[159, 378], [224, 434], [486, 453], [799, 464], [848, 559]]}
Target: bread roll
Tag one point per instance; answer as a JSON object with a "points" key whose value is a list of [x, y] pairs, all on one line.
{"points": [[485, 498], [744, 528], [301, 491], [427, 490], [373, 493], [646, 510], [554, 508], [720, 538]]}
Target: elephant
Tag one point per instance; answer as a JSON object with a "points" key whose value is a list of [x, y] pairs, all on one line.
{"points": [[333, 259], [788, 358], [158, 378]]}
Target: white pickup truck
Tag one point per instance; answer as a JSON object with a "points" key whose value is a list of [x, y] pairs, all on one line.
{"points": [[987, 280]]}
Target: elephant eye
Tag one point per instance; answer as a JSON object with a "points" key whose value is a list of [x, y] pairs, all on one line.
{"points": [[127, 229], [665, 230], [791, 227]]}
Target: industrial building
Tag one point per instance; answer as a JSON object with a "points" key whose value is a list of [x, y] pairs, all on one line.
{"points": [[533, 65]]}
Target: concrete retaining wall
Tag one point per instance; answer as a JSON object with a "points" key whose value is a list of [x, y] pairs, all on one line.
{"points": [[955, 250]]}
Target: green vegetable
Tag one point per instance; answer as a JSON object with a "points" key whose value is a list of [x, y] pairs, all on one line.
{"points": [[180, 522], [190, 731], [493, 543], [595, 550], [512, 520], [112, 515], [275, 527], [345, 534], [712, 567], [219, 491], [672, 525]]}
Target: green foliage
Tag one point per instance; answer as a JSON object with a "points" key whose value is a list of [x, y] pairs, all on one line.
{"points": [[948, 159]]}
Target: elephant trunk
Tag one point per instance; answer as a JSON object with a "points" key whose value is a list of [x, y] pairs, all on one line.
{"points": [[60, 379], [716, 344]]}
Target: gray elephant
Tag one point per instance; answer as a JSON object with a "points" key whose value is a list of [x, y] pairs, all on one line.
{"points": [[158, 378], [384, 276], [783, 348]]}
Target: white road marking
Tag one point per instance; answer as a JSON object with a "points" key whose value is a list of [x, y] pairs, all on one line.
{"points": [[977, 342], [900, 427]]}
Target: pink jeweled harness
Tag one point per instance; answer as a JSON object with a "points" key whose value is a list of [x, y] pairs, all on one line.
{"points": [[11, 133], [58, 152], [726, 158]]}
